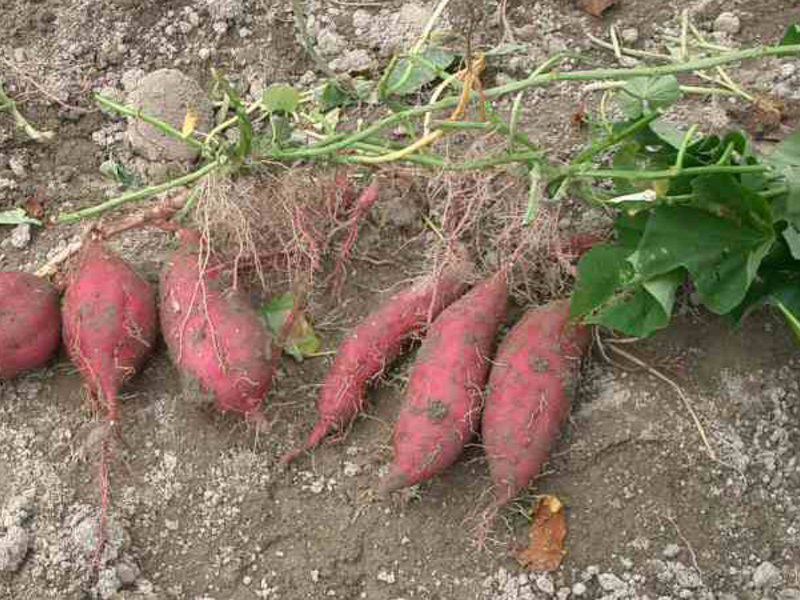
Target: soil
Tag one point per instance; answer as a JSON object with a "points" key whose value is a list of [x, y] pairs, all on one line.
{"points": [[200, 507]]}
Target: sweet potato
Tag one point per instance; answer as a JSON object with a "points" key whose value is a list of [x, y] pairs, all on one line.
{"points": [[213, 333], [109, 322], [30, 322], [443, 402], [530, 389], [371, 346]]}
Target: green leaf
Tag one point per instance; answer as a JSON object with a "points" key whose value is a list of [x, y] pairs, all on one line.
{"points": [[16, 216], [792, 35], [301, 341], [280, 98], [785, 158], [643, 95], [722, 195], [408, 75], [778, 285], [792, 236], [721, 255], [608, 293], [668, 133], [333, 96]]}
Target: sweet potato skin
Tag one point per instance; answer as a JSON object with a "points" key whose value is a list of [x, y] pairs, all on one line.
{"points": [[371, 346], [529, 397], [30, 322], [110, 322], [213, 334], [443, 402]]}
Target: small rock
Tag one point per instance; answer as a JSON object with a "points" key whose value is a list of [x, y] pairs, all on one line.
{"points": [[351, 469], [203, 53], [686, 577], [386, 576], [315, 575], [579, 589], [352, 61], [13, 549], [563, 593], [166, 94], [225, 10], [787, 70], [127, 573], [610, 582], [131, 78], [727, 22], [767, 576], [108, 584], [330, 43], [671, 551], [17, 166], [527, 33], [545, 584], [630, 35], [21, 236]]}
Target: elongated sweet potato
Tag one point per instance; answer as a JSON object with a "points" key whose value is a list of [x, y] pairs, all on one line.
{"points": [[443, 402], [530, 390], [30, 322], [371, 346], [110, 322], [213, 333]]}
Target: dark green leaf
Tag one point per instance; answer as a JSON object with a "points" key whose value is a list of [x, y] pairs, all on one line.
{"points": [[786, 160], [778, 286], [792, 35], [333, 96], [792, 236], [722, 195], [280, 98], [408, 75], [643, 95], [607, 293], [630, 229], [721, 255]]}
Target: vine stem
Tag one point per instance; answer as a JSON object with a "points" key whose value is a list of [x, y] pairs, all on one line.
{"points": [[537, 79], [162, 126], [579, 170], [142, 194]]}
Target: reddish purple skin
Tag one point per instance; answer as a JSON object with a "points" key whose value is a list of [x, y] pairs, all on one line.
{"points": [[30, 323], [371, 346], [214, 334], [443, 403], [530, 389], [110, 321]]}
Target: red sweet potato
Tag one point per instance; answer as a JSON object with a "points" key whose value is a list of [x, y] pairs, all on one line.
{"points": [[109, 322], [530, 389], [213, 333], [30, 322], [371, 346], [443, 402]]}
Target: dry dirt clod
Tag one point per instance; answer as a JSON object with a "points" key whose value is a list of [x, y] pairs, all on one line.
{"points": [[13, 549], [166, 94]]}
